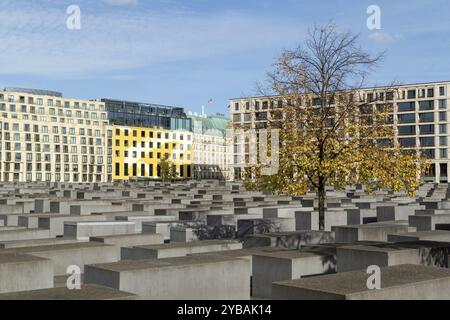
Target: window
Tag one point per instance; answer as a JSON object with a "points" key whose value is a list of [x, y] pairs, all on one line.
{"points": [[442, 128], [430, 93], [443, 154], [429, 153], [442, 116], [411, 94], [427, 142], [389, 96], [442, 91], [407, 142], [422, 93], [407, 118], [443, 141], [236, 106], [406, 106], [427, 129], [426, 117], [444, 168], [442, 104], [426, 105], [261, 116]]}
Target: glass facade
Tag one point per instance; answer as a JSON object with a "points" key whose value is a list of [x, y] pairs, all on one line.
{"points": [[134, 114]]}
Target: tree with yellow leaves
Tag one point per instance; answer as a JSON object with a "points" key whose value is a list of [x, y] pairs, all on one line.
{"points": [[330, 134]]}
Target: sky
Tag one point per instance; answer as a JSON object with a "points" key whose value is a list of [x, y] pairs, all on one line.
{"points": [[184, 53]]}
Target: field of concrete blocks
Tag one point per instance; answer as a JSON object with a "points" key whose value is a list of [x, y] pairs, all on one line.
{"points": [[141, 240]]}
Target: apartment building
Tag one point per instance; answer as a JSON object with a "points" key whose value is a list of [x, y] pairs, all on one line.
{"points": [[420, 116], [211, 157], [46, 137], [145, 134]]}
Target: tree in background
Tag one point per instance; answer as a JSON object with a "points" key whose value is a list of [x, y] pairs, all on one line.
{"points": [[330, 135], [168, 170]]}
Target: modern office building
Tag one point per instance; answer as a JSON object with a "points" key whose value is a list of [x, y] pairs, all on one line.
{"points": [[211, 158], [46, 137], [138, 152], [144, 134], [145, 115], [420, 116]]}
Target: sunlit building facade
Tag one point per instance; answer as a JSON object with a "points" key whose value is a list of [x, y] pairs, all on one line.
{"points": [[211, 158], [46, 137], [138, 152], [420, 115]]}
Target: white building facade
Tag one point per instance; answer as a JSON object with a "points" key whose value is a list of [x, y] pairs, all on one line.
{"points": [[211, 157], [46, 137]]}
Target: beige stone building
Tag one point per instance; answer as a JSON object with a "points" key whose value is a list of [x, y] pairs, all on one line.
{"points": [[46, 137], [420, 116]]}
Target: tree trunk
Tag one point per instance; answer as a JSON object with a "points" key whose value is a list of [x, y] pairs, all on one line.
{"points": [[322, 196]]}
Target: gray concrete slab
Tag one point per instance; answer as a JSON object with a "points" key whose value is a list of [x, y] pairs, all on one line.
{"points": [[186, 278], [404, 282]]}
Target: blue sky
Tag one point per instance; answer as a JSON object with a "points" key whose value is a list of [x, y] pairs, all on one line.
{"points": [[186, 52]]}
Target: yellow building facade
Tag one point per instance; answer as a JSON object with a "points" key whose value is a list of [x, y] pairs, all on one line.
{"points": [[138, 152]]}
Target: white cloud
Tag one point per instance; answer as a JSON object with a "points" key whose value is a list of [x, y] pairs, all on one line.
{"points": [[384, 37], [35, 40]]}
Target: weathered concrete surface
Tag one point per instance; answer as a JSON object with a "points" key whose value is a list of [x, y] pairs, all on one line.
{"points": [[178, 249], [87, 292], [64, 255], [130, 240], [186, 278], [269, 267], [24, 234], [20, 272], [36, 243], [370, 232], [84, 230], [360, 257], [182, 234], [55, 222], [289, 240], [404, 282], [429, 222], [435, 235]]}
